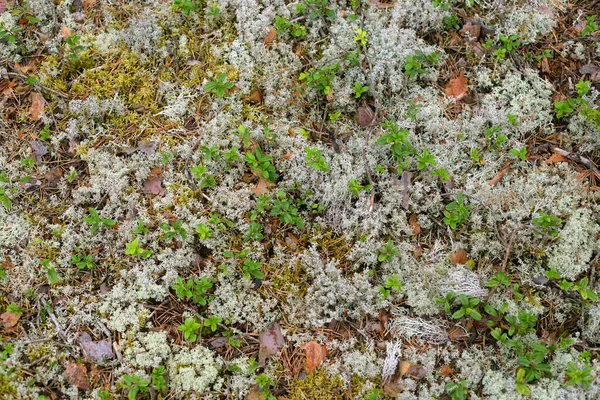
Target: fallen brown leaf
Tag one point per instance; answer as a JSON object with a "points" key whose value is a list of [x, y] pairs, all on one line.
{"points": [[37, 106], [460, 257], [417, 372], [315, 355], [9, 319], [261, 187], [256, 97], [65, 31], [364, 115], [457, 87], [416, 228], [446, 370], [403, 368], [271, 35], [76, 375], [556, 158], [472, 30]]}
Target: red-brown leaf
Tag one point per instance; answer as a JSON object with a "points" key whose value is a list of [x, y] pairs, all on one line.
{"points": [[9, 319], [460, 257], [271, 35], [271, 342], [37, 106], [315, 355], [76, 375], [457, 87]]}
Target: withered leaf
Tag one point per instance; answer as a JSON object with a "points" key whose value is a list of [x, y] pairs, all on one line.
{"points": [[315, 355], [417, 371], [271, 35], [37, 106], [76, 375], [446, 370], [457, 87], [53, 176], [261, 187], [364, 115], [473, 30], [256, 96], [459, 257], [9, 319], [154, 186], [271, 342], [39, 149], [414, 225], [498, 177], [96, 351]]}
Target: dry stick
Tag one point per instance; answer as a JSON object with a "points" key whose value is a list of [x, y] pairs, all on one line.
{"points": [[576, 158], [507, 253]]}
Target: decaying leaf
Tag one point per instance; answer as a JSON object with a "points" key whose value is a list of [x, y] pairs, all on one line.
{"points": [[37, 106], [457, 87], [417, 371], [556, 158], [446, 370], [271, 35], [364, 115], [403, 368], [459, 257], [471, 30], [261, 187], [592, 70], [414, 225], [39, 149], [315, 355], [154, 183], [96, 351], [9, 319], [53, 176], [271, 342], [256, 96], [76, 374]]}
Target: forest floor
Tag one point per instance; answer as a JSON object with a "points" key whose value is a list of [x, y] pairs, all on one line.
{"points": [[320, 199]]}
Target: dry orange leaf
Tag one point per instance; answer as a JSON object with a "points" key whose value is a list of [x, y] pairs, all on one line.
{"points": [[457, 87], [315, 355], [256, 97], [65, 31], [271, 35], [416, 228], [460, 257], [9, 319], [556, 158], [446, 370], [403, 368], [261, 187], [37, 106]]}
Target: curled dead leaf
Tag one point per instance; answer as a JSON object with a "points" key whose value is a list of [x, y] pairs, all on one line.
{"points": [[261, 187], [364, 115], [271, 342], [457, 87], [414, 225], [271, 35]]}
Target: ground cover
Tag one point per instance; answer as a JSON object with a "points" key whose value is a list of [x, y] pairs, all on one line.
{"points": [[299, 200]]}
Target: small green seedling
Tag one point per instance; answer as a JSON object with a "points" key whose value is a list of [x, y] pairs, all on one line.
{"points": [[261, 164], [204, 232], [590, 26], [95, 220], [254, 232], [500, 278], [359, 90], [361, 37], [315, 159], [185, 6], [467, 307], [457, 213], [286, 211], [413, 66], [355, 188], [586, 293], [520, 153], [576, 376], [172, 231], [547, 222], [457, 390], [219, 86], [333, 117], [158, 378], [212, 322], [73, 41], [5, 200], [189, 328], [387, 252], [135, 385], [424, 160], [45, 133], [82, 261], [251, 269], [322, 79], [391, 284], [133, 249]]}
